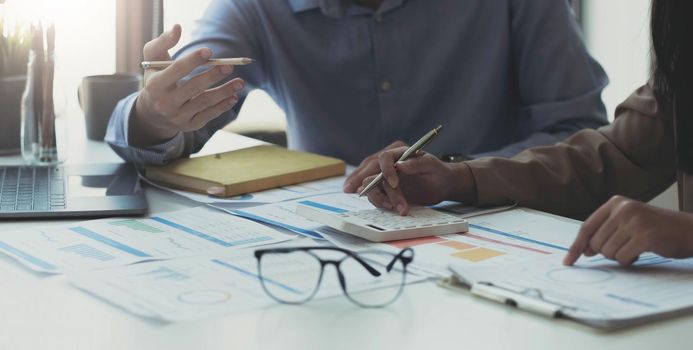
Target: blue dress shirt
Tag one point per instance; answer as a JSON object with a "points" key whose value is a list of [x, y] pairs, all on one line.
{"points": [[499, 75]]}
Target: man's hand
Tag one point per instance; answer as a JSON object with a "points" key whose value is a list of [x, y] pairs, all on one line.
{"points": [[369, 166], [166, 107], [623, 228], [422, 180]]}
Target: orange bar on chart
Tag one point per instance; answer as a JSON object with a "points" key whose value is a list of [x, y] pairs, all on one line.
{"points": [[414, 242], [457, 245], [476, 255]]}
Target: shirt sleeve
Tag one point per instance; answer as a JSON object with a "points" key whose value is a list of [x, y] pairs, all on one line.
{"points": [[117, 138], [558, 84], [634, 157], [229, 28]]}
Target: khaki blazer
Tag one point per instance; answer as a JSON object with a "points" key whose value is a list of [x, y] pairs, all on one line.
{"points": [[634, 156]]}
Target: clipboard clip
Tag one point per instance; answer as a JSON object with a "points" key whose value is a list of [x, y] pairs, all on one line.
{"points": [[530, 299]]}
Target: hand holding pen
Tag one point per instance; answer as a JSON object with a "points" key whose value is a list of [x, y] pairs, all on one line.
{"points": [[412, 150], [168, 103], [422, 179]]}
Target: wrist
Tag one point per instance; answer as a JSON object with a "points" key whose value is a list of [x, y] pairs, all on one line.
{"points": [[144, 133], [463, 186]]}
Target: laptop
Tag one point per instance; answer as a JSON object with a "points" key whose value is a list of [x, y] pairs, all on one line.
{"points": [[73, 190]]}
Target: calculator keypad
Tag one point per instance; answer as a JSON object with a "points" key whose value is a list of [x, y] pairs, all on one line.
{"points": [[388, 220]]}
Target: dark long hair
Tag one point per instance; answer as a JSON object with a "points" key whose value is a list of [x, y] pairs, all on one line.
{"points": [[672, 68]]}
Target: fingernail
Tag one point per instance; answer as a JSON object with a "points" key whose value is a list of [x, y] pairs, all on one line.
{"points": [[387, 205], [233, 100], [238, 85], [215, 191], [206, 53], [226, 69]]}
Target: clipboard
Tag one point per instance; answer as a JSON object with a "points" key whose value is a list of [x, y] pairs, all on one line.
{"points": [[604, 312]]}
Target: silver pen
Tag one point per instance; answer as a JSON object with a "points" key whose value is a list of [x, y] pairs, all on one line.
{"points": [[412, 150], [237, 61]]}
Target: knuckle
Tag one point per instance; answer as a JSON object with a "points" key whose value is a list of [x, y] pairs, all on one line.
{"points": [[382, 157], [617, 198], [398, 143]]}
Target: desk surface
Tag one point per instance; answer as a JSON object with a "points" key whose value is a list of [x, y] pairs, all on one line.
{"points": [[45, 312]]}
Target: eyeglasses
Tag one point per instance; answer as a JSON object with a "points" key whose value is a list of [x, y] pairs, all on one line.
{"points": [[292, 275]]}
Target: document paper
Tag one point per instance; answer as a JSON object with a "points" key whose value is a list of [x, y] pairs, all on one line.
{"points": [[190, 289], [501, 239], [120, 241], [597, 291], [283, 214]]}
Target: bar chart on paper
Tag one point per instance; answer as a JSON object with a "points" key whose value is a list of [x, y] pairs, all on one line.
{"points": [[88, 251], [505, 238], [114, 242]]}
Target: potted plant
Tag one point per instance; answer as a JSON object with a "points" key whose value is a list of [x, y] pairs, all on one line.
{"points": [[15, 44]]}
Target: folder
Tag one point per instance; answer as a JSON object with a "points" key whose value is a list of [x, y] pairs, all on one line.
{"points": [[246, 170]]}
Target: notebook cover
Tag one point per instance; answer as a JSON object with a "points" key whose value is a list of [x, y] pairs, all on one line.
{"points": [[246, 170]]}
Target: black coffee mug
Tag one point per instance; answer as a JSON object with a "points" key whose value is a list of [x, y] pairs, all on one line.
{"points": [[99, 94]]}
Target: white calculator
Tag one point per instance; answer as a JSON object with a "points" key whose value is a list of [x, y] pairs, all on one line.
{"points": [[379, 225]]}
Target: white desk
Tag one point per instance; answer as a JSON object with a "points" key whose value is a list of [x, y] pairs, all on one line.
{"points": [[38, 312]]}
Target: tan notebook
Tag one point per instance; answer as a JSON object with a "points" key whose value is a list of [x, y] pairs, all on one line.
{"points": [[246, 170]]}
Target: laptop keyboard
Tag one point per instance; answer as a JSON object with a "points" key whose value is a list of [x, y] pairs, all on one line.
{"points": [[31, 189]]}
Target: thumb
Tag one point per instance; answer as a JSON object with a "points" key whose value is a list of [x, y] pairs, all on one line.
{"points": [[157, 49]]}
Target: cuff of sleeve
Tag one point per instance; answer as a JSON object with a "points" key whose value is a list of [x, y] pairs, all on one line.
{"points": [[483, 174], [118, 137]]}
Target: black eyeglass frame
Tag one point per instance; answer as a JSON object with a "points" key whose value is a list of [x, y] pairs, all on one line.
{"points": [[406, 256]]}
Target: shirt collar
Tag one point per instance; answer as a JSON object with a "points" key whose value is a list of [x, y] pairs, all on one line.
{"points": [[303, 5], [334, 8]]}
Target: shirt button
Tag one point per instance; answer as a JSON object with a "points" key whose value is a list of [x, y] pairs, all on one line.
{"points": [[386, 86], [378, 17]]}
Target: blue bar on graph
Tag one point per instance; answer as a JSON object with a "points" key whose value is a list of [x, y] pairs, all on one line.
{"points": [[192, 231], [88, 251], [520, 238], [105, 240], [26, 256], [324, 207], [311, 234]]}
